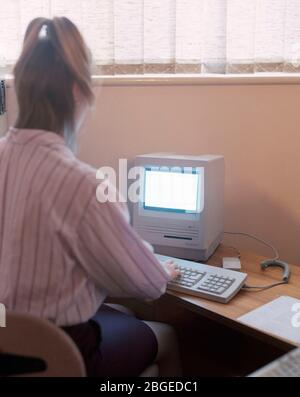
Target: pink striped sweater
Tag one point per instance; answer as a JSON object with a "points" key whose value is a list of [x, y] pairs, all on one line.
{"points": [[61, 251]]}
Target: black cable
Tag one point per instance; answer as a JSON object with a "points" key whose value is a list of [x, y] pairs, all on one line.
{"points": [[257, 288], [2, 97]]}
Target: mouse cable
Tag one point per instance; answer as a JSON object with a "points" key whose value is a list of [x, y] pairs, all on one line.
{"points": [[276, 257], [232, 247], [258, 288]]}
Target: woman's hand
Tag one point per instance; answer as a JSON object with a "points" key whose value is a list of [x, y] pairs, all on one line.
{"points": [[171, 268]]}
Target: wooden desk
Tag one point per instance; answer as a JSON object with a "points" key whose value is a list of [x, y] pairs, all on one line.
{"points": [[212, 341], [244, 301]]}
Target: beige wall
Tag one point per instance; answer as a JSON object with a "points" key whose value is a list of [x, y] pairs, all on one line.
{"points": [[255, 127]]}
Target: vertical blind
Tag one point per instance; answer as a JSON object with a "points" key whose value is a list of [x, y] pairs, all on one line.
{"points": [[170, 36]]}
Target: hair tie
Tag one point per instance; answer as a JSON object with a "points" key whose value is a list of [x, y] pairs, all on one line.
{"points": [[43, 34]]}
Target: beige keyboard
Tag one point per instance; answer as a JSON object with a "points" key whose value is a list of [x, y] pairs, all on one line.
{"points": [[205, 281]]}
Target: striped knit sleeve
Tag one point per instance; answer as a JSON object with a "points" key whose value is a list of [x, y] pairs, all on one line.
{"points": [[115, 257]]}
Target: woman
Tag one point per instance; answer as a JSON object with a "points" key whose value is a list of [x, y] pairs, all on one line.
{"points": [[62, 252]]}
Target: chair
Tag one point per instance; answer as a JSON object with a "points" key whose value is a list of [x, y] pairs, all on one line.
{"points": [[28, 342], [30, 346]]}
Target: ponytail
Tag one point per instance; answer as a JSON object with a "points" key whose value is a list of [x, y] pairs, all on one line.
{"points": [[54, 59]]}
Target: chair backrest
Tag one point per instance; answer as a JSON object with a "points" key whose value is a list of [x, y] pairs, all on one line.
{"points": [[40, 345]]}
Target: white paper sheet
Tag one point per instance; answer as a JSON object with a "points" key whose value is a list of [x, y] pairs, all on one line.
{"points": [[280, 317]]}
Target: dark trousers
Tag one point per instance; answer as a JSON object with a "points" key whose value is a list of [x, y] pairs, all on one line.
{"points": [[114, 344]]}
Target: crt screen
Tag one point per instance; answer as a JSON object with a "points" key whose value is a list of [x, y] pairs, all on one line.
{"points": [[171, 190]]}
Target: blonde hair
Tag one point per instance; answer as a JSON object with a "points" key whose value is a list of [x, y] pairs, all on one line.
{"points": [[53, 60]]}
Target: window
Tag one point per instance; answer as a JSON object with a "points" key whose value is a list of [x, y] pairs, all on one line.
{"points": [[170, 36]]}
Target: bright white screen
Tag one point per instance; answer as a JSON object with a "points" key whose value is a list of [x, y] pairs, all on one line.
{"points": [[171, 190]]}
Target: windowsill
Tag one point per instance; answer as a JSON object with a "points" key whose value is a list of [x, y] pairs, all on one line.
{"points": [[208, 79], [182, 79]]}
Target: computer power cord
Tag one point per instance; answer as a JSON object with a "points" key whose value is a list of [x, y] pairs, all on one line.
{"points": [[274, 262]]}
